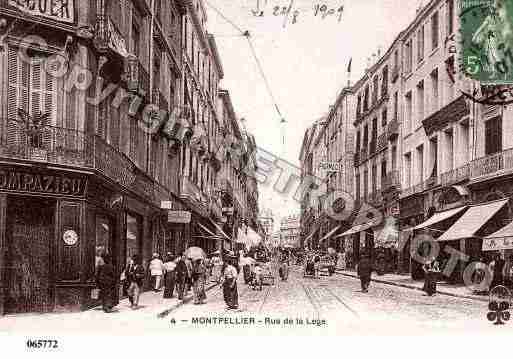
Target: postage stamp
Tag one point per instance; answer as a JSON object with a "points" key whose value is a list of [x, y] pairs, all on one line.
{"points": [[487, 40]]}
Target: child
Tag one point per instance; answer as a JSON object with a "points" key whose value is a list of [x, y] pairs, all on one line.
{"points": [[257, 277]]}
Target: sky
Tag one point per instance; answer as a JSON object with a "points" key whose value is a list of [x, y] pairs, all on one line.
{"points": [[305, 64]]}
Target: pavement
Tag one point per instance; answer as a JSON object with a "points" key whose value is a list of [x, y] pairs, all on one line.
{"points": [[306, 306], [405, 281]]}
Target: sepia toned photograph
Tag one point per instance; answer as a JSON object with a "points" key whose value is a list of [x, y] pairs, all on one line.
{"points": [[255, 167]]}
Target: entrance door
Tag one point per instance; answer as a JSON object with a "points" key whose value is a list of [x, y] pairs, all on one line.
{"points": [[30, 224]]}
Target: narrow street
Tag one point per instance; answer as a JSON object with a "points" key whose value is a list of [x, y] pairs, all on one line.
{"points": [[325, 305]]}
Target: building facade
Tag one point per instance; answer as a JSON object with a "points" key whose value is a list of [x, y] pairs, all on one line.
{"points": [[429, 159], [89, 165], [289, 232]]}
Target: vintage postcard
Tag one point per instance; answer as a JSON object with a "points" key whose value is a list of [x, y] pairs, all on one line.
{"points": [[255, 167]]}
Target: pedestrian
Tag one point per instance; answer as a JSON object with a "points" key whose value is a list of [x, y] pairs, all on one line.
{"points": [[135, 276], [497, 267], [169, 276], [156, 269], [198, 278], [341, 262], [431, 271], [106, 280], [284, 269], [364, 271], [181, 277], [231, 297], [123, 279], [246, 270], [257, 277]]}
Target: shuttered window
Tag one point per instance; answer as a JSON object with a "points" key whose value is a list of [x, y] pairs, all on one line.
{"points": [[31, 89], [493, 135]]}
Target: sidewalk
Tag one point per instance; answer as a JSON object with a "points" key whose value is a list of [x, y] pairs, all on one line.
{"points": [[405, 281]]}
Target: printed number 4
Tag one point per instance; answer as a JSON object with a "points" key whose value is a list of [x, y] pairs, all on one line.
{"points": [[473, 65]]}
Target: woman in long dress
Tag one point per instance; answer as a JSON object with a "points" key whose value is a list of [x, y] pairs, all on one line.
{"points": [[169, 276], [231, 296]]}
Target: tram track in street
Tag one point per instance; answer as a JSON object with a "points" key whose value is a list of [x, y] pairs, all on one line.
{"points": [[321, 298]]}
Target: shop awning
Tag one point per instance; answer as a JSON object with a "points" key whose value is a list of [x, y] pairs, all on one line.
{"points": [[502, 239], [312, 233], [472, 221], [220, 230], [330, 233], [439, 217]]}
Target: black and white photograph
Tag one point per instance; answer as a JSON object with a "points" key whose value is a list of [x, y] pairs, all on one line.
{"points": [[255, 167]]}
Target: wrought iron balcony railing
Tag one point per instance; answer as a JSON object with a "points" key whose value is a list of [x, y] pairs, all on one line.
{"points": [[492, 165]]}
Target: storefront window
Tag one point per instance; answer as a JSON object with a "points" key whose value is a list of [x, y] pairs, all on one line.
{"points": [[133, 236], [103, 235]]}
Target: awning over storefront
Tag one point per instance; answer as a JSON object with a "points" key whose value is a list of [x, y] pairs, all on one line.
{"points": [[472, 221], [221, 231], [440, 216], [250, 239], [502, 239], [312, 233], [330, 233], [353, 230]]}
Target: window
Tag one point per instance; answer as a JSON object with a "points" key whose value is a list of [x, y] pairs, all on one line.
{"points": [[358, 106], [158, 10], [366, 100], [407, 169], [420, 103], [434, 31], [136, 33], [394, 158], [365, 136], [374, 178], [465, 148], [30, 88], [384, 83], [449, 150], [374, 137], [450, 16], [434, 90], [433, 156], [375, 90], [408, 53], [384, 118], [365, 184], [493, 135], [396, 106], [358, 140], [451, 71], [409, 112], [383, 172], [396, 59], [420, 163], [420, 44]]}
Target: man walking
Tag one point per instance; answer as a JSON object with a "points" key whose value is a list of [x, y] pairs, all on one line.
{"points": [[364, 272], [106, 280], [181, 276], [135, 276]]}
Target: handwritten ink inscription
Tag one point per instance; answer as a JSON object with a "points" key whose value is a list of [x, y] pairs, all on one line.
{"points": [[319, 10]]}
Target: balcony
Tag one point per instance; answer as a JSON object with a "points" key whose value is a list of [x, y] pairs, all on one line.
{"points": [[382, 142], [392, 130], [495, 165], [107, 38], [391, 181], [455, 176], [138, 79], [67, 147]]}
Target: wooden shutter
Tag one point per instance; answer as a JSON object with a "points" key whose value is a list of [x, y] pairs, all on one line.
{"points": [[13, 96]]}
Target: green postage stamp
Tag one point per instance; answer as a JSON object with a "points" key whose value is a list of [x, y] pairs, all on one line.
{"points": [[487, 40]]}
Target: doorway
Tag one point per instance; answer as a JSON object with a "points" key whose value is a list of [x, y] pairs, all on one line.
{"points": [[28, 276]]}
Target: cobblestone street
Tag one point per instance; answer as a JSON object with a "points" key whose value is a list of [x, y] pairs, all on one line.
{"points": [[325, 305]]}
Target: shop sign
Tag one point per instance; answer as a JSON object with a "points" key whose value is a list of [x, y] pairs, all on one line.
{"points": [[19, 181], [497, 244], [60, 10], [331, 167], [166, 204], [183, 217]]}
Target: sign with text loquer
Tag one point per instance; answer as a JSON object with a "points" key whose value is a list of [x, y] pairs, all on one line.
{"points": [[183, 217], [60, 10]]}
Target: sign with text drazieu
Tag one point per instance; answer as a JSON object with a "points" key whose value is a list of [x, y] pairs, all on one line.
{"points": [[60, 10]]}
